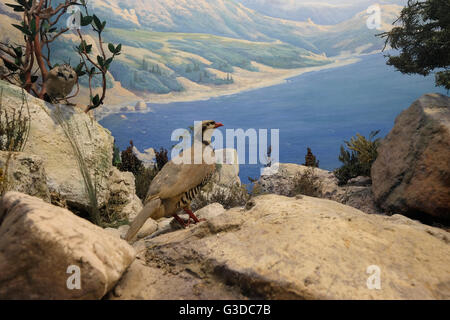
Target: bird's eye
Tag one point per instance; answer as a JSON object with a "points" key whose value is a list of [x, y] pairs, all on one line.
{"points": [[71, 76], [60, 74]]}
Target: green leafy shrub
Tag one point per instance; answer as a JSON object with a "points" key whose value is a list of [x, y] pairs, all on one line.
{"points": [[117, 160], [358, 160]]}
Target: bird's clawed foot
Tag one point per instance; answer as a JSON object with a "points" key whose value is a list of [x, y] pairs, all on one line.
{"points": [[181, 221], [192, 217]]}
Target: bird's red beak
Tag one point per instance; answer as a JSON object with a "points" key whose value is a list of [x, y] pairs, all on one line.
{"points": [[218, 125]]}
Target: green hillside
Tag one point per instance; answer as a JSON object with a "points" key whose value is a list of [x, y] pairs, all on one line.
{"points": [[152, 60]]}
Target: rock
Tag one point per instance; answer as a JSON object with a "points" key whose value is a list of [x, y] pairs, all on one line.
{"points": [[128, 109], [360, 198], [228, 167], [164, 226], [211, 211], [141, 106], [412, 172], [360, 182], [284, 183], [118, 232], [287, 248], [143, 282], [39, 243], [123, 201], [24, 173], [54, 133], [150, 226], [167, 225], [123, 230], [147, 157], [114, 232]]}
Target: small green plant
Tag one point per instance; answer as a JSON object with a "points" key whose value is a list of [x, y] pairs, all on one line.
{"points": [[91, 187], [307, 183], [358, 160], [117, 160], [14, 126], [311, 160]]}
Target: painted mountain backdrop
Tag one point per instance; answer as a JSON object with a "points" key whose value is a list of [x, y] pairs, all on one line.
{"points": [[320, 11], [180, 46]]}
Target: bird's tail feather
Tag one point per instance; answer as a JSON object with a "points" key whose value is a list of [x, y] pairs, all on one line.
{"points": [[150, 209]]}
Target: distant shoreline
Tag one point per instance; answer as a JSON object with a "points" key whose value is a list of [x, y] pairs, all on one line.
{"points": [[247, 81]]}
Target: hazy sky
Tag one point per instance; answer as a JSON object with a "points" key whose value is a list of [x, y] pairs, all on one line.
{"points": [[295, 4], [320, 11]]}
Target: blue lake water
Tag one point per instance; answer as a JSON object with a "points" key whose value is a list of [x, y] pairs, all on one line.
{"points": [[318, 110]]}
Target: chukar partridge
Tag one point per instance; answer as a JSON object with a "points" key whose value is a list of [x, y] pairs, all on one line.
{"points": [[179, 182]]}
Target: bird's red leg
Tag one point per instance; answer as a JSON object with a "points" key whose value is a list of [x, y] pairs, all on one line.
{"points": [[181, 222], [192, 215]]}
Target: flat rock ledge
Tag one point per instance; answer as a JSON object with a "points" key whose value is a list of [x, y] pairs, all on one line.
{"points": [[292, 248]]}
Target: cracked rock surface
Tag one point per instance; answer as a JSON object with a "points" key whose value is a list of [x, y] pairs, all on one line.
{"points": [[38, 244], [292, 248]]}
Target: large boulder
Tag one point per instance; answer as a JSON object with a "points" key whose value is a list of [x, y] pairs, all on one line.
{"points": [[289, 248], [65, 138], [23, 173], [412, 172], [293, 179], [42, 246]]}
